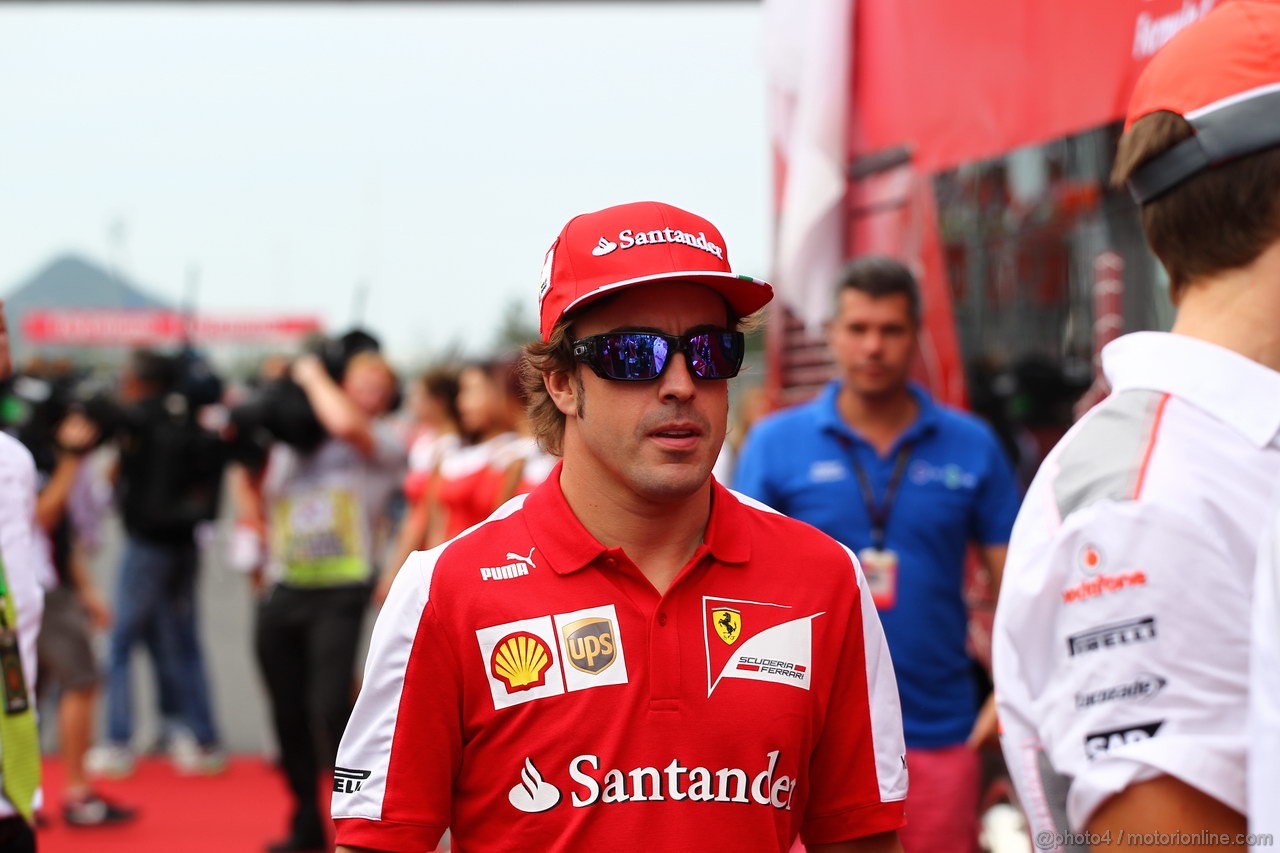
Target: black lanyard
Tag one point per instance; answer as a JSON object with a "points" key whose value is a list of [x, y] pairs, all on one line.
{"points": [[878, 512]]}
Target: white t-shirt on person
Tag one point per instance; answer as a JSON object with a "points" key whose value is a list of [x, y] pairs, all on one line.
{"points": [[1121, 641]]}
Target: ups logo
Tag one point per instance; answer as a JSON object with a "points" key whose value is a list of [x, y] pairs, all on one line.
{"points": [[590, 644]]}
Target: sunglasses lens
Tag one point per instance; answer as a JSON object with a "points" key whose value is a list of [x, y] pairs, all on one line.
{"points": [[631, 356], [639, 356], [715, 355]]}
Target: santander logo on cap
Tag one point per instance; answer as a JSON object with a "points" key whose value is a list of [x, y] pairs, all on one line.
{"points": [[629, 238], [600, 253]]}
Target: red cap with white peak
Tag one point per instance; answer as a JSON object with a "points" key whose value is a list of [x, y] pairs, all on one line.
{"points": [[598, 254]]}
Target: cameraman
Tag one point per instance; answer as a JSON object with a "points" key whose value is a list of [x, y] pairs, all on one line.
{"points": [[323, 509], [168, 480]]}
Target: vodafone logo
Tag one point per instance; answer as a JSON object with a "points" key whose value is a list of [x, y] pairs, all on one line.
{"points": [[1090, 559], [629, 238], [1091, 562], [1101, 585]]}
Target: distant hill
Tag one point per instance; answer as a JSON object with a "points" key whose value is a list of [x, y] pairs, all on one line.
{"points": [[71, 281]]}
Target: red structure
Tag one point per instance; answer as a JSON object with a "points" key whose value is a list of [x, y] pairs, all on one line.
{"points": [[937, 109]]}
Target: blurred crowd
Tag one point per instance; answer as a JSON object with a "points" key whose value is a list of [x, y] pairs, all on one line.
{"points": [[334, 471]]}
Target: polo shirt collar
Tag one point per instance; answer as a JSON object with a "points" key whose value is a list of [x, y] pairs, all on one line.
{"points": [[1238, 391], [560, 537], [829, 419]]}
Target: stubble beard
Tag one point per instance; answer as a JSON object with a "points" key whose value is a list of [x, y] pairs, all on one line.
{"points": [[650, 481]]}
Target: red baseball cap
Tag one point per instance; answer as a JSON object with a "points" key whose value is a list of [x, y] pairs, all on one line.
{"points": [[601, 253], [1222, 74]]}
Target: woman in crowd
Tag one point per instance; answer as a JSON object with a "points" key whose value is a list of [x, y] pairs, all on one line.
{"points": [[466, 489], [437, 435]]}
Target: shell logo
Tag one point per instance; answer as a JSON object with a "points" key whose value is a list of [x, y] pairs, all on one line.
{"points": [[521, 661]]}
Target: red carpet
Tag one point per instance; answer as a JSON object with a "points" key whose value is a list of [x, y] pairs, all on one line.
{"points": [[238, 811]]}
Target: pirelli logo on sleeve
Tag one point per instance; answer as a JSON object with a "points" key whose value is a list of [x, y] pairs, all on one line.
{"points": [[552, 655], [348, 780], [1109, 637]]}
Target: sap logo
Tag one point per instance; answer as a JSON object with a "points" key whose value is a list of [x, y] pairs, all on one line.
{"points": [[519, 567], [534, 794], [1098, 743], [1121, 634], [348, 781], [1141, 688]]}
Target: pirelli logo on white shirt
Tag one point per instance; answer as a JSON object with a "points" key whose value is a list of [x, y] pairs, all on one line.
{"points": [[552, 655]]}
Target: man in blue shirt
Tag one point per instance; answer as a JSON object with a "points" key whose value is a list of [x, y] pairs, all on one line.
{"points": [[907, 484]]}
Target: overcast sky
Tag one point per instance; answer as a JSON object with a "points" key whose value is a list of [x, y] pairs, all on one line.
{"points": [[431, 150]]}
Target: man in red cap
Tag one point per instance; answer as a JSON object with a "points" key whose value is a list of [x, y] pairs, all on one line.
{"points": [[1122, 632], [631, 655]]}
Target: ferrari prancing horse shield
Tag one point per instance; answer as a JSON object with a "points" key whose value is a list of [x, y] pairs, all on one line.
{"points": [[728, 624]]}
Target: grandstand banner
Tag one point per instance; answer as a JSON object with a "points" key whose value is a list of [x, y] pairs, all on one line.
{"points": [[148, 327]]}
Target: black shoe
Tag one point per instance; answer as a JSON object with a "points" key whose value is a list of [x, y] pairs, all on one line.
{"points": [[300, 844], [93, 810]]}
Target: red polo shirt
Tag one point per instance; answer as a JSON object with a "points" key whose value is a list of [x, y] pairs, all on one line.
{"points": [[529, 688]]}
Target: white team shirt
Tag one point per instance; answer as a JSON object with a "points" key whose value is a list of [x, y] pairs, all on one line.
{"points": [[1121, 640]]}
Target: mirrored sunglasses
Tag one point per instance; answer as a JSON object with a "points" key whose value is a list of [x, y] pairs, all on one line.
{"points": [[641, 356]]}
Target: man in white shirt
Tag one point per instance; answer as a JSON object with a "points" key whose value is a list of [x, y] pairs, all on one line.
{"points": [[1122, 632]]}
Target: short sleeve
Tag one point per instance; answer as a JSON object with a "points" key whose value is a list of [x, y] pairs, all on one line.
{"points": [[402, 746], [751, 471], [858, 773], [998, 496], [1121, 655]]}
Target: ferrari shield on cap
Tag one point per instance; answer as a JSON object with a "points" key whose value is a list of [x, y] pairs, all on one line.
{"points": [[1222, 74], [603, 252]]}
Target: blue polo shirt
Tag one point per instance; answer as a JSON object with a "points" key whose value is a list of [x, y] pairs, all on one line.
{"points": [[958, 487]]}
